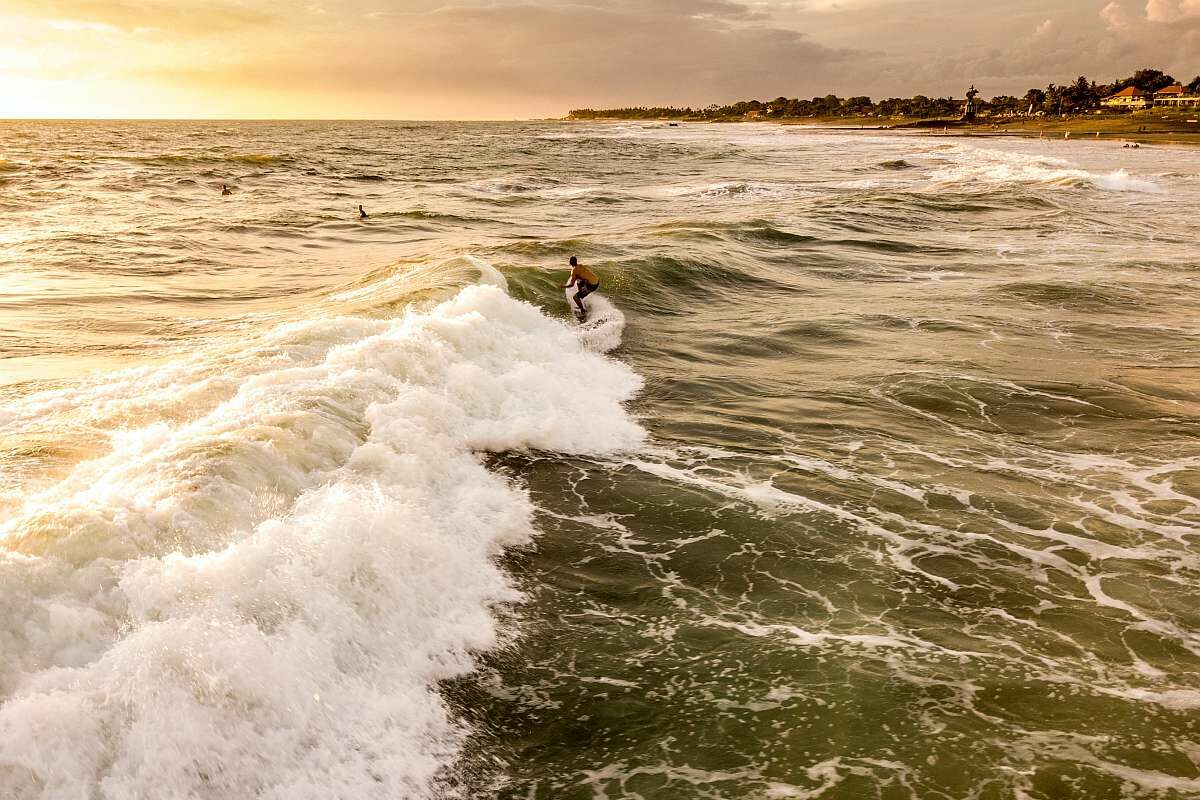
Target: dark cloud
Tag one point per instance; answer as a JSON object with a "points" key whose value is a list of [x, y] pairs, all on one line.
{"points": [[548, 56], [687, 50], [938, 48], [1112, 45]]}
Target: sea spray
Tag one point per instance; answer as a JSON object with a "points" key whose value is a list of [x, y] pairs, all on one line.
{"points": [[605, 323], [258, 601]]}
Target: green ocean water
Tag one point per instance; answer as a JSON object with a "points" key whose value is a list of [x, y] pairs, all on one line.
{"points": [[875, 472]]}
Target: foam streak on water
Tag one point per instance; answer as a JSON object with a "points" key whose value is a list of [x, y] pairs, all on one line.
{"points": [[874, 470]]}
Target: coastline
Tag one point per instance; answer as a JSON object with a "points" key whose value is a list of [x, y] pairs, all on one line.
{"points": [[1142, 128], [1170, 140]]}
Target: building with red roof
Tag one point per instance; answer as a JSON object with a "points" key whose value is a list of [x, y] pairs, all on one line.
{"points": [[1130, 97], [1175, 96]]}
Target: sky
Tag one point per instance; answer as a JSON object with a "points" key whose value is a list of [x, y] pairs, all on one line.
{"points": [[515, 59]]}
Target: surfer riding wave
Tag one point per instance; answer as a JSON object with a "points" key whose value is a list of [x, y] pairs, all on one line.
{"points": [[585, 279]]}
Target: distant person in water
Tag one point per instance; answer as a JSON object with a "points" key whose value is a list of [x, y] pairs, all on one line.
{"points": [[587, 281], [225, 190], [361, 214]]}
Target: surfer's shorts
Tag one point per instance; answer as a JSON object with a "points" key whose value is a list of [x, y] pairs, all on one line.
{"points": [[585, 289]]}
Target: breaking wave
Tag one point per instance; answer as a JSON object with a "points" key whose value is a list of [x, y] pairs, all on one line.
{"points": [[981, 166], [276, 550]]}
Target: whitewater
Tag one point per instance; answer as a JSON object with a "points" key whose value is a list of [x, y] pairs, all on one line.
{"points": [[873, 471], [255, 597]]}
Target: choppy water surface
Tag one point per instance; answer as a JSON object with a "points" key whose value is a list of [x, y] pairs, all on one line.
{"points": [[876, 472]]}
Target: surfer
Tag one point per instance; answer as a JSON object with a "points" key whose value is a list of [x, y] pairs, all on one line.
{"points": [[361, 214], [587, 281], [225, 191]]}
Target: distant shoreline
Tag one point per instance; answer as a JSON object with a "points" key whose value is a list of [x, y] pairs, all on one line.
{"points": [[1146, 128]]}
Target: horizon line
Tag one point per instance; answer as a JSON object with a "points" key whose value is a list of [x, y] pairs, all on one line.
{"points": [[281, 119]]}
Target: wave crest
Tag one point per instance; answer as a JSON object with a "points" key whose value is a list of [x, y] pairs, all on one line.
{"points": [[975, 166], [256, 601]]}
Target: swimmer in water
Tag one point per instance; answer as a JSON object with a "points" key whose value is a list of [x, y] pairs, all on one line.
{"points": [[587, 281], [361, 214], [225, 191]]}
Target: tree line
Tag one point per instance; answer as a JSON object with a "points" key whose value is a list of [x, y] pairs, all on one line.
{"points": [[1079, 96]]}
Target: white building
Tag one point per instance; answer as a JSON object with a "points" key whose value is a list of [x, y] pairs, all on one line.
{"points": [[1130, 98], [1176, 97]]}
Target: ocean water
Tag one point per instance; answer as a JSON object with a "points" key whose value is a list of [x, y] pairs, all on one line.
{"points": [[874, 472]]}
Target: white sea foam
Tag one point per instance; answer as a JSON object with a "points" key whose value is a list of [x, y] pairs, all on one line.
{"points": [[605, 325], [975, 165], [256, 599]]}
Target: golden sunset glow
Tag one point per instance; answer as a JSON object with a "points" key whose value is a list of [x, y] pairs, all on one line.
{"points": [[473, 59]]}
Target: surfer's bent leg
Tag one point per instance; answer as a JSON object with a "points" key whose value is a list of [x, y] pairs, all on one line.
{"points": [[584, 290]]}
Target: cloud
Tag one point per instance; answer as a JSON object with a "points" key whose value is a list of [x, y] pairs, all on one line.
{"points": [[548, 56], [1115, 17], [504, 58], [1172, 10]]}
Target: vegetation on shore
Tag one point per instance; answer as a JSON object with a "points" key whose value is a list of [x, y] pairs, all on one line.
{"points": [[1079, 96]]}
